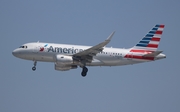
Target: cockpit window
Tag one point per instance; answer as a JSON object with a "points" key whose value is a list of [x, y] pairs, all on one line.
{"points": [[23, 47]]}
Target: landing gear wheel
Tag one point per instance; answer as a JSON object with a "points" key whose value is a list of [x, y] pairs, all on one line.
{"points": [[33, 68], [83, 74], [84, 71]]}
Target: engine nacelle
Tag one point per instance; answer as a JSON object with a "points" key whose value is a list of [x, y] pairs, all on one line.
{"points": [[62, 59], [64, 67]]}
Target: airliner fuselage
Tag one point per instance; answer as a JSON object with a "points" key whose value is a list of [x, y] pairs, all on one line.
{"points": [[66, 57]]}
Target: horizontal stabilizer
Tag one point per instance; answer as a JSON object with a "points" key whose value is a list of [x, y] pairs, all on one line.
{"points": [[152, 54]]}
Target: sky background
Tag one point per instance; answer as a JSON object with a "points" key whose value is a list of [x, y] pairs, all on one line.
{"points": [[146, 87]]}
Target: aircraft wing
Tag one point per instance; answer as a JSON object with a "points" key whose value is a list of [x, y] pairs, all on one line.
{"points": [[87, 54], [153, 54]]}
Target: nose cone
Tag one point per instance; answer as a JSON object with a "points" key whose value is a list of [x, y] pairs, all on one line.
{"points": [[15, 53]]}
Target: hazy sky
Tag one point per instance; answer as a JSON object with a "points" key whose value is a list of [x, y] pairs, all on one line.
{"points": [[147, 87]]}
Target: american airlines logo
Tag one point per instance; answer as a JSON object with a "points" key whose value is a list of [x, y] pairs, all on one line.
{"points": [[64, 50], [42, 48]]}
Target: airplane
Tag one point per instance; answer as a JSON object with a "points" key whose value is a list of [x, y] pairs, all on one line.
{"points": [[66, 57]]}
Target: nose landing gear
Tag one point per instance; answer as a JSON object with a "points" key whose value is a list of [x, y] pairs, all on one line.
{"points": [[34, 67]]}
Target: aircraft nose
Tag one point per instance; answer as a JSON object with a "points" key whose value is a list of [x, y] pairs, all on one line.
{"points": [[15, 53]]}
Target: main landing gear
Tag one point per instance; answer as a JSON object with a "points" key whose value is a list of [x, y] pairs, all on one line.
{"points": [[34, 67], [84, 71]]}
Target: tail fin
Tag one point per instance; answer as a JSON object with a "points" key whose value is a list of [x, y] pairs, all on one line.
{"points": [[151, 39]]}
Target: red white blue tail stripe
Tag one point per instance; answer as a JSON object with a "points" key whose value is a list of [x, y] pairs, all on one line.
{"points": [[147, 45], [151, 40]]}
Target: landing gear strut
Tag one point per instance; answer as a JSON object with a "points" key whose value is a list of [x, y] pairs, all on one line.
{"points": [[84, 71], [34, 67]]}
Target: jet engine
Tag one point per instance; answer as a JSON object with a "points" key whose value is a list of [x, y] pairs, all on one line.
{"points": [[64, 60], [64, 63]]}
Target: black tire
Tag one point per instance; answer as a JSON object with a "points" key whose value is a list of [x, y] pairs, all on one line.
{"points": [[85, 69], [33, 68], [84, 74]]}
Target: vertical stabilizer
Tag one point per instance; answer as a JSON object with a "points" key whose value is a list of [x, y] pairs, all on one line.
{"points": [[151, 39]]}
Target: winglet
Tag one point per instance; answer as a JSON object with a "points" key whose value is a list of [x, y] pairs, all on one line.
{"points": [[110, 36]]}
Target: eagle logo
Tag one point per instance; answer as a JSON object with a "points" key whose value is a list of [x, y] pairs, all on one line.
{"points": [[42, 48]]}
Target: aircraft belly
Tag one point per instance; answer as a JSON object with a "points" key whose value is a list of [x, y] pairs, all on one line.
{"points": [[95, 62], [42, 57], [105, 61], [113, 61]]}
